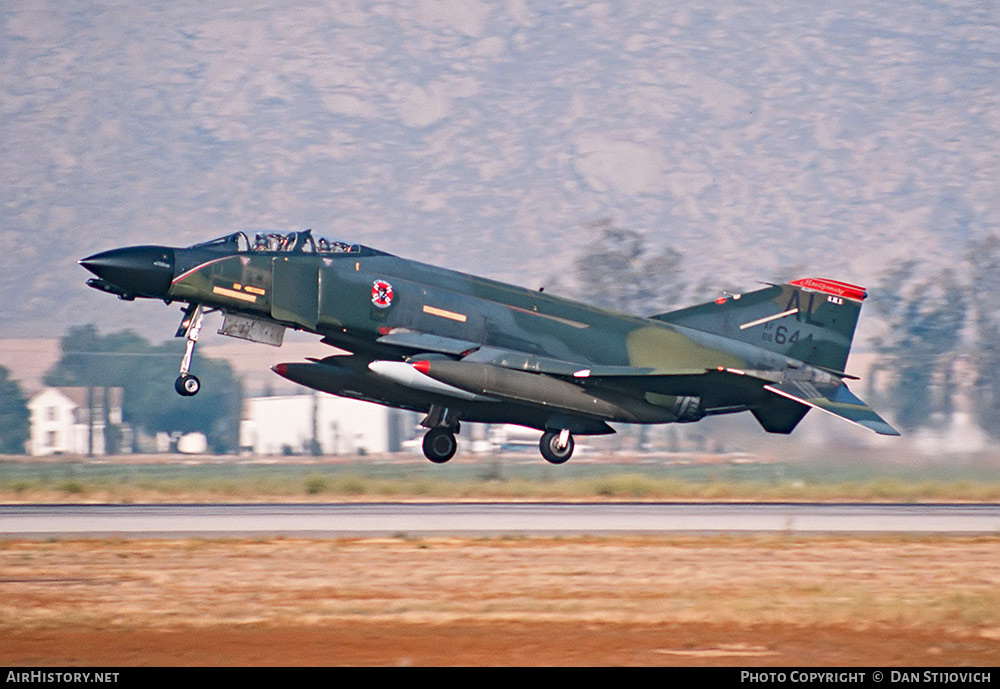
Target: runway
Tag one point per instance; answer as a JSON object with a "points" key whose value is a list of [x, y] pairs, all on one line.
{"points": [[489, 519]]}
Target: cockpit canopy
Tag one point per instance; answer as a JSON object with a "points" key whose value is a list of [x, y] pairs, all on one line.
{"points": [[301, 242]]}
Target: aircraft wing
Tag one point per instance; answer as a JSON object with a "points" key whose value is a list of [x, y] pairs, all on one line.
{"points": [[829, 394], [831, 397], [427, 342], [836, 400], [725, 385], [536, 363]]}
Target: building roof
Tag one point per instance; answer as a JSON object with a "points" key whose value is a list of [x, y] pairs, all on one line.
{"points": [[78, 395]]}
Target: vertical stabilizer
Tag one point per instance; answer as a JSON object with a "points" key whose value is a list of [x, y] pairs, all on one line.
{"points": [[811, 319]]}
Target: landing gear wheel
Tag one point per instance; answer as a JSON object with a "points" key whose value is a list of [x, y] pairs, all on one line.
{"points": [[187, 385], [439, 445], [552, 450]]}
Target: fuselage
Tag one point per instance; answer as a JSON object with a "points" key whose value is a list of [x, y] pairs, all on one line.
{"points": [[336, 295], [493, 351], [462, 347]]}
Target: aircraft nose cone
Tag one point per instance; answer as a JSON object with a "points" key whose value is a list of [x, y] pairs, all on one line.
{"points": [[144, 271]]}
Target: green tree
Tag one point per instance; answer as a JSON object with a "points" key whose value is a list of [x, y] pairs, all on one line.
{"points": [[926, 318], [615, 271], [146, 372], [15, 419], [985, 358]]}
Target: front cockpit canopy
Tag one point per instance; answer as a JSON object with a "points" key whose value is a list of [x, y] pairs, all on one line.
{"points": [[301, 242]]}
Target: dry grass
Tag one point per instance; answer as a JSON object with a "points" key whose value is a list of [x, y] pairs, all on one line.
{"points": [[771, 600], [904, 584]]}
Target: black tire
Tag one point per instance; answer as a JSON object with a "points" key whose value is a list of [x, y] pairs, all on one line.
{"points": [[439, 445], [549, 446], [187, 385]]}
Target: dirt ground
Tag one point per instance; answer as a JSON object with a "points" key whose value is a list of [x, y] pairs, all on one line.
{"points": [[753, 601]]}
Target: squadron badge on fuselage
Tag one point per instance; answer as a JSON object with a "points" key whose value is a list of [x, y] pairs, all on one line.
{"points": [[382, 294]]}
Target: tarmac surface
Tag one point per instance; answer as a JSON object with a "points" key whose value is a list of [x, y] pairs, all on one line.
{"points": [[490, 519]]}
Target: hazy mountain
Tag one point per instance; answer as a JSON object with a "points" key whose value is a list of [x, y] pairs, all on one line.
{"points": [[761, 140]]}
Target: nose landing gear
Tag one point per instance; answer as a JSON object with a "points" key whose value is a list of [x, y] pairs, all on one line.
{"points": [[187, 384]]}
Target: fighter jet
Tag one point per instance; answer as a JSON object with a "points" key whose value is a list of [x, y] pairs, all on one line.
{"points": [[457, 347]]}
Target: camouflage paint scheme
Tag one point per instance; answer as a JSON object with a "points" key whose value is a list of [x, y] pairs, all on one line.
{"points": [[460, 347]]}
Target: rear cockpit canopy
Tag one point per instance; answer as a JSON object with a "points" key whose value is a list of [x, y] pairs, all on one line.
{"points": [[301, 242]]}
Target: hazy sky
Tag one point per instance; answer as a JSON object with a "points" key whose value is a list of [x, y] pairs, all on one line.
{"points": [[759, 139]]}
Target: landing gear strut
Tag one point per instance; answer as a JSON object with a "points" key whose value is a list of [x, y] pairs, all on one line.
{"points": [[186, 384], [556, 446], [439, 443]]}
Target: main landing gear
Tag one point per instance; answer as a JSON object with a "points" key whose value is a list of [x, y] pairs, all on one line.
{"points": [[187, 384], [556, 446], [439, 443]]}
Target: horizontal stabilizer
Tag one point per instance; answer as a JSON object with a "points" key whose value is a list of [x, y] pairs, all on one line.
{"points": [[838, 401]]}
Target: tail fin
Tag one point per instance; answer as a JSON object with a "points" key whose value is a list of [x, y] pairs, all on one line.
{"points": [[811, 320]]}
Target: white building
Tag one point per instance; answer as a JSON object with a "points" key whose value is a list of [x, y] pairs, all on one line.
{"points": [[289, 424], [72, 420]]}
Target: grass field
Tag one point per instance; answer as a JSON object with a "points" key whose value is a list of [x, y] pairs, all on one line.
{"points": [[857, 477]]}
